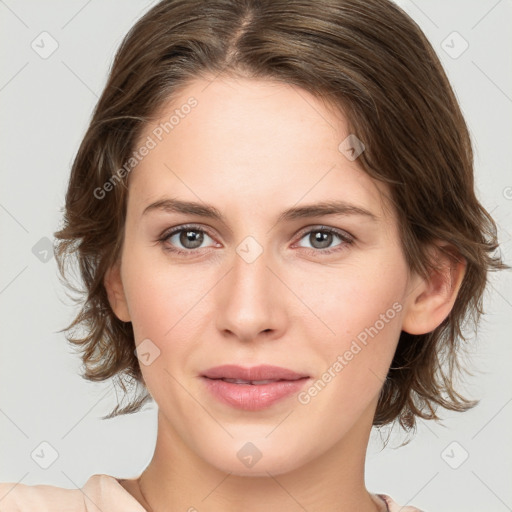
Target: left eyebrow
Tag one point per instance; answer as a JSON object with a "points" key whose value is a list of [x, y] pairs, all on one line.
{"points": [[296, 212], [325, 208]]}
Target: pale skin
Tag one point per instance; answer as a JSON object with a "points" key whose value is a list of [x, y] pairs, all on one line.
{"points": [[253, 149]]}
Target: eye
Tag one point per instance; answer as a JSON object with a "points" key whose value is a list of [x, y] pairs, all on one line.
{"points": [[190, 237], [321, 237]]}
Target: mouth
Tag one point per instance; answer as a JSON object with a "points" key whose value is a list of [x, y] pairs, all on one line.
{"points": [[257, 382], [254, 374], [254, 388]]}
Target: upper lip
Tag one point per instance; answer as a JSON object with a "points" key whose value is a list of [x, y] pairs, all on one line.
{"points": [[253, 373]]}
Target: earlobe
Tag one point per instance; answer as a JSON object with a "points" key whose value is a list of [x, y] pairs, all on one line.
{"points": [[115, 291], [431, 299]]}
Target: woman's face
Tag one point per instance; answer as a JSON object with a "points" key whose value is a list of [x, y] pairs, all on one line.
{"points": [[255, 285]]}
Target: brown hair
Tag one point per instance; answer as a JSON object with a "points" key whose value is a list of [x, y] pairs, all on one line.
{"points": [[366, 57]]}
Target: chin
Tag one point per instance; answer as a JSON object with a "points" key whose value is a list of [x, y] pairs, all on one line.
{"points": [[258, 458]]}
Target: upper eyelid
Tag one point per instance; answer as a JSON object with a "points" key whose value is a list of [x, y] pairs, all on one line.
{"points": [[323, 227], [177, 229]]}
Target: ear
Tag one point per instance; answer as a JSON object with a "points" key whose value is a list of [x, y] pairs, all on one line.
{"points": [[115, 291], [431, 299]]}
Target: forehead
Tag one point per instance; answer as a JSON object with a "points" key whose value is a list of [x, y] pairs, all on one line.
{"points": [[254, 141]]}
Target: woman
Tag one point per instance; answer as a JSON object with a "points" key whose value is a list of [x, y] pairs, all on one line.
{"points": [[275, 220]]}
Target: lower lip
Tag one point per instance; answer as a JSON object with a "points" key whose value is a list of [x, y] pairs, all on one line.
{"points": [[253, 397]]}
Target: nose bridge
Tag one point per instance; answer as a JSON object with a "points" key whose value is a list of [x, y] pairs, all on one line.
{"points": [[249, 298], [250, 272]]}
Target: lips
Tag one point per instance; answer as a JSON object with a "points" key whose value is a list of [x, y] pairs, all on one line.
{"points": [[255, 388], [253, 375]]}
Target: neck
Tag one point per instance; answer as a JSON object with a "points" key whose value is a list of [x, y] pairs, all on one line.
{"points": [[178, 480]]}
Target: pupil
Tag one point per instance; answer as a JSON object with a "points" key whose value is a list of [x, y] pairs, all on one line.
{"points": [[191, 236], [323, 238]]}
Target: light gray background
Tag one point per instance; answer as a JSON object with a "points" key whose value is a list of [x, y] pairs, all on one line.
{"points": [[46, 105]]}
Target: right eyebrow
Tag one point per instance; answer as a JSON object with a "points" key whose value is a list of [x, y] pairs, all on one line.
{"points": [[187, 207]]}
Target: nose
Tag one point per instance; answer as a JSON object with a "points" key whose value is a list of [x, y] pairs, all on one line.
{"points": [[250, 300]]}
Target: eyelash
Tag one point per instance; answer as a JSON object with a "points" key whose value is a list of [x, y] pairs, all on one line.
{"points": [[345, 237]]}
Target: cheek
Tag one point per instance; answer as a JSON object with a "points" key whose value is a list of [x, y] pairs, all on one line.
{"points": [[169, 306], [356, 300], [160, 294], [363, 310], [164, 307]]}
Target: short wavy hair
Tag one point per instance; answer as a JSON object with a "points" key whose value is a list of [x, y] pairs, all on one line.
{"points": [[367, 58]]}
